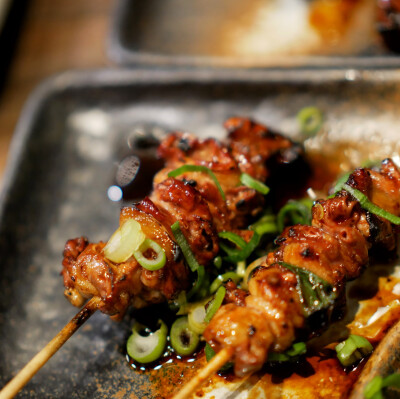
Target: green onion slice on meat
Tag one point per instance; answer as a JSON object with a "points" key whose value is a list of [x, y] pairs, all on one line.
{"points": [[198, 168]]}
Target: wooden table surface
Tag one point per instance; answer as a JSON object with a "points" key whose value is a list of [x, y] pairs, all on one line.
{"points": [[55, 36]]}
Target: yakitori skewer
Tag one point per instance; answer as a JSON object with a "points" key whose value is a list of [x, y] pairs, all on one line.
{"points": [[307, 272], [201, 188], [40, 359]]}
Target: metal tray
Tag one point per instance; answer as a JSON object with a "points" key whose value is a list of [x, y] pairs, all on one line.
{"points": [[206, 33], [74, 130]]}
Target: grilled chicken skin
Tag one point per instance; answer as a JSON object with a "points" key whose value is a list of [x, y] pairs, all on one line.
{"points": [[336, 247], [191, 198]]}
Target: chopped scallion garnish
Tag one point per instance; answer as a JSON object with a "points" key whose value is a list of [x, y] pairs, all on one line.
{"points": [[198, 168], [215, 304], [185, 247], [295, 212], [147, 349], [310, 120], [353, 349], [257, 185], [370, 207], [291, 354], [315, 293], [222, 278], [238, 255], [183, 339], [154, 263]]}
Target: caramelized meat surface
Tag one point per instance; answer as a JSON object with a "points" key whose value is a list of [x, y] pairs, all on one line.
{"points": [[335, 248], [191, 198]]}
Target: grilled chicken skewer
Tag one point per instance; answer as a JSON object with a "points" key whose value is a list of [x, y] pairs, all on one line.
{"points": [[193, 200], [334, 249]]}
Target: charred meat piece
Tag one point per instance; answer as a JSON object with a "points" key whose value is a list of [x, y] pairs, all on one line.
{"points": [[194, 200], [335, 248]]}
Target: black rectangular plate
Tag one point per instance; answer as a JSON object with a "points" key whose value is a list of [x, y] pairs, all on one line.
{"points": [[73, 132], [194, 33]]}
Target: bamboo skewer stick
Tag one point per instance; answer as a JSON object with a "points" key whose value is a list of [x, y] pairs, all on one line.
{"points": [[36, 363], [204, 374]]}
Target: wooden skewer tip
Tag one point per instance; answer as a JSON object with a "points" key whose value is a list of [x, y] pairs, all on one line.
{"points": [[222, 357], [40, 359]]}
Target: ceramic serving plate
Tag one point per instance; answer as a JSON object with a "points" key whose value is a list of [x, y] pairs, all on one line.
{"points": [[257, 33], [75, 130]]}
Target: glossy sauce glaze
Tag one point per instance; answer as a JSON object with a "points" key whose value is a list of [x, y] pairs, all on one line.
{"points": [[373, 307]]}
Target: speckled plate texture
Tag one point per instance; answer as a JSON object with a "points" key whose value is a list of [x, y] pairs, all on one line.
{"points": [[74, 131]]}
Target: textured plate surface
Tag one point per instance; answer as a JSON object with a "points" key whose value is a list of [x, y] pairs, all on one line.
{"points": [[257, 33], [74, 131]]}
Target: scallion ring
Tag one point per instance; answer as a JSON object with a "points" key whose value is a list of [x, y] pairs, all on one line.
{"points": [[183, 339], [198, 168], [215, 304], [370, 207], [353, 349], [196, 319], [238, 255], [199, 284], [373, 390], [222, 278], [291, 354], [233, 237], [154, 263], [298, 212], [126, 239], [310, 120], [255, 184], [147, 349], [185, 247]]}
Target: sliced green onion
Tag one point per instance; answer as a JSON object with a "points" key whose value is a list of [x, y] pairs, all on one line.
{"points": [[291, 354], [265, 225], [232, 237], [341, 182], [373, 390], [222, 278], [238, 255], [210, 353], [183, 339], [353, 349], [392, 380], [188, 307], [199, 283], [218, 262], [241, 269], [315, 293], [147, 349], [150, 264], [370, 207], [196, 319], [310, 120], [298, 212], [126, 239], [185, 247], [198, 168], [249, 181], [215, 304], [178, 303], [250, 269]]}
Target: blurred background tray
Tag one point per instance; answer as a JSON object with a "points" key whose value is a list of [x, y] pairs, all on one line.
{"points": [[75, 130], [255, 33]]}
